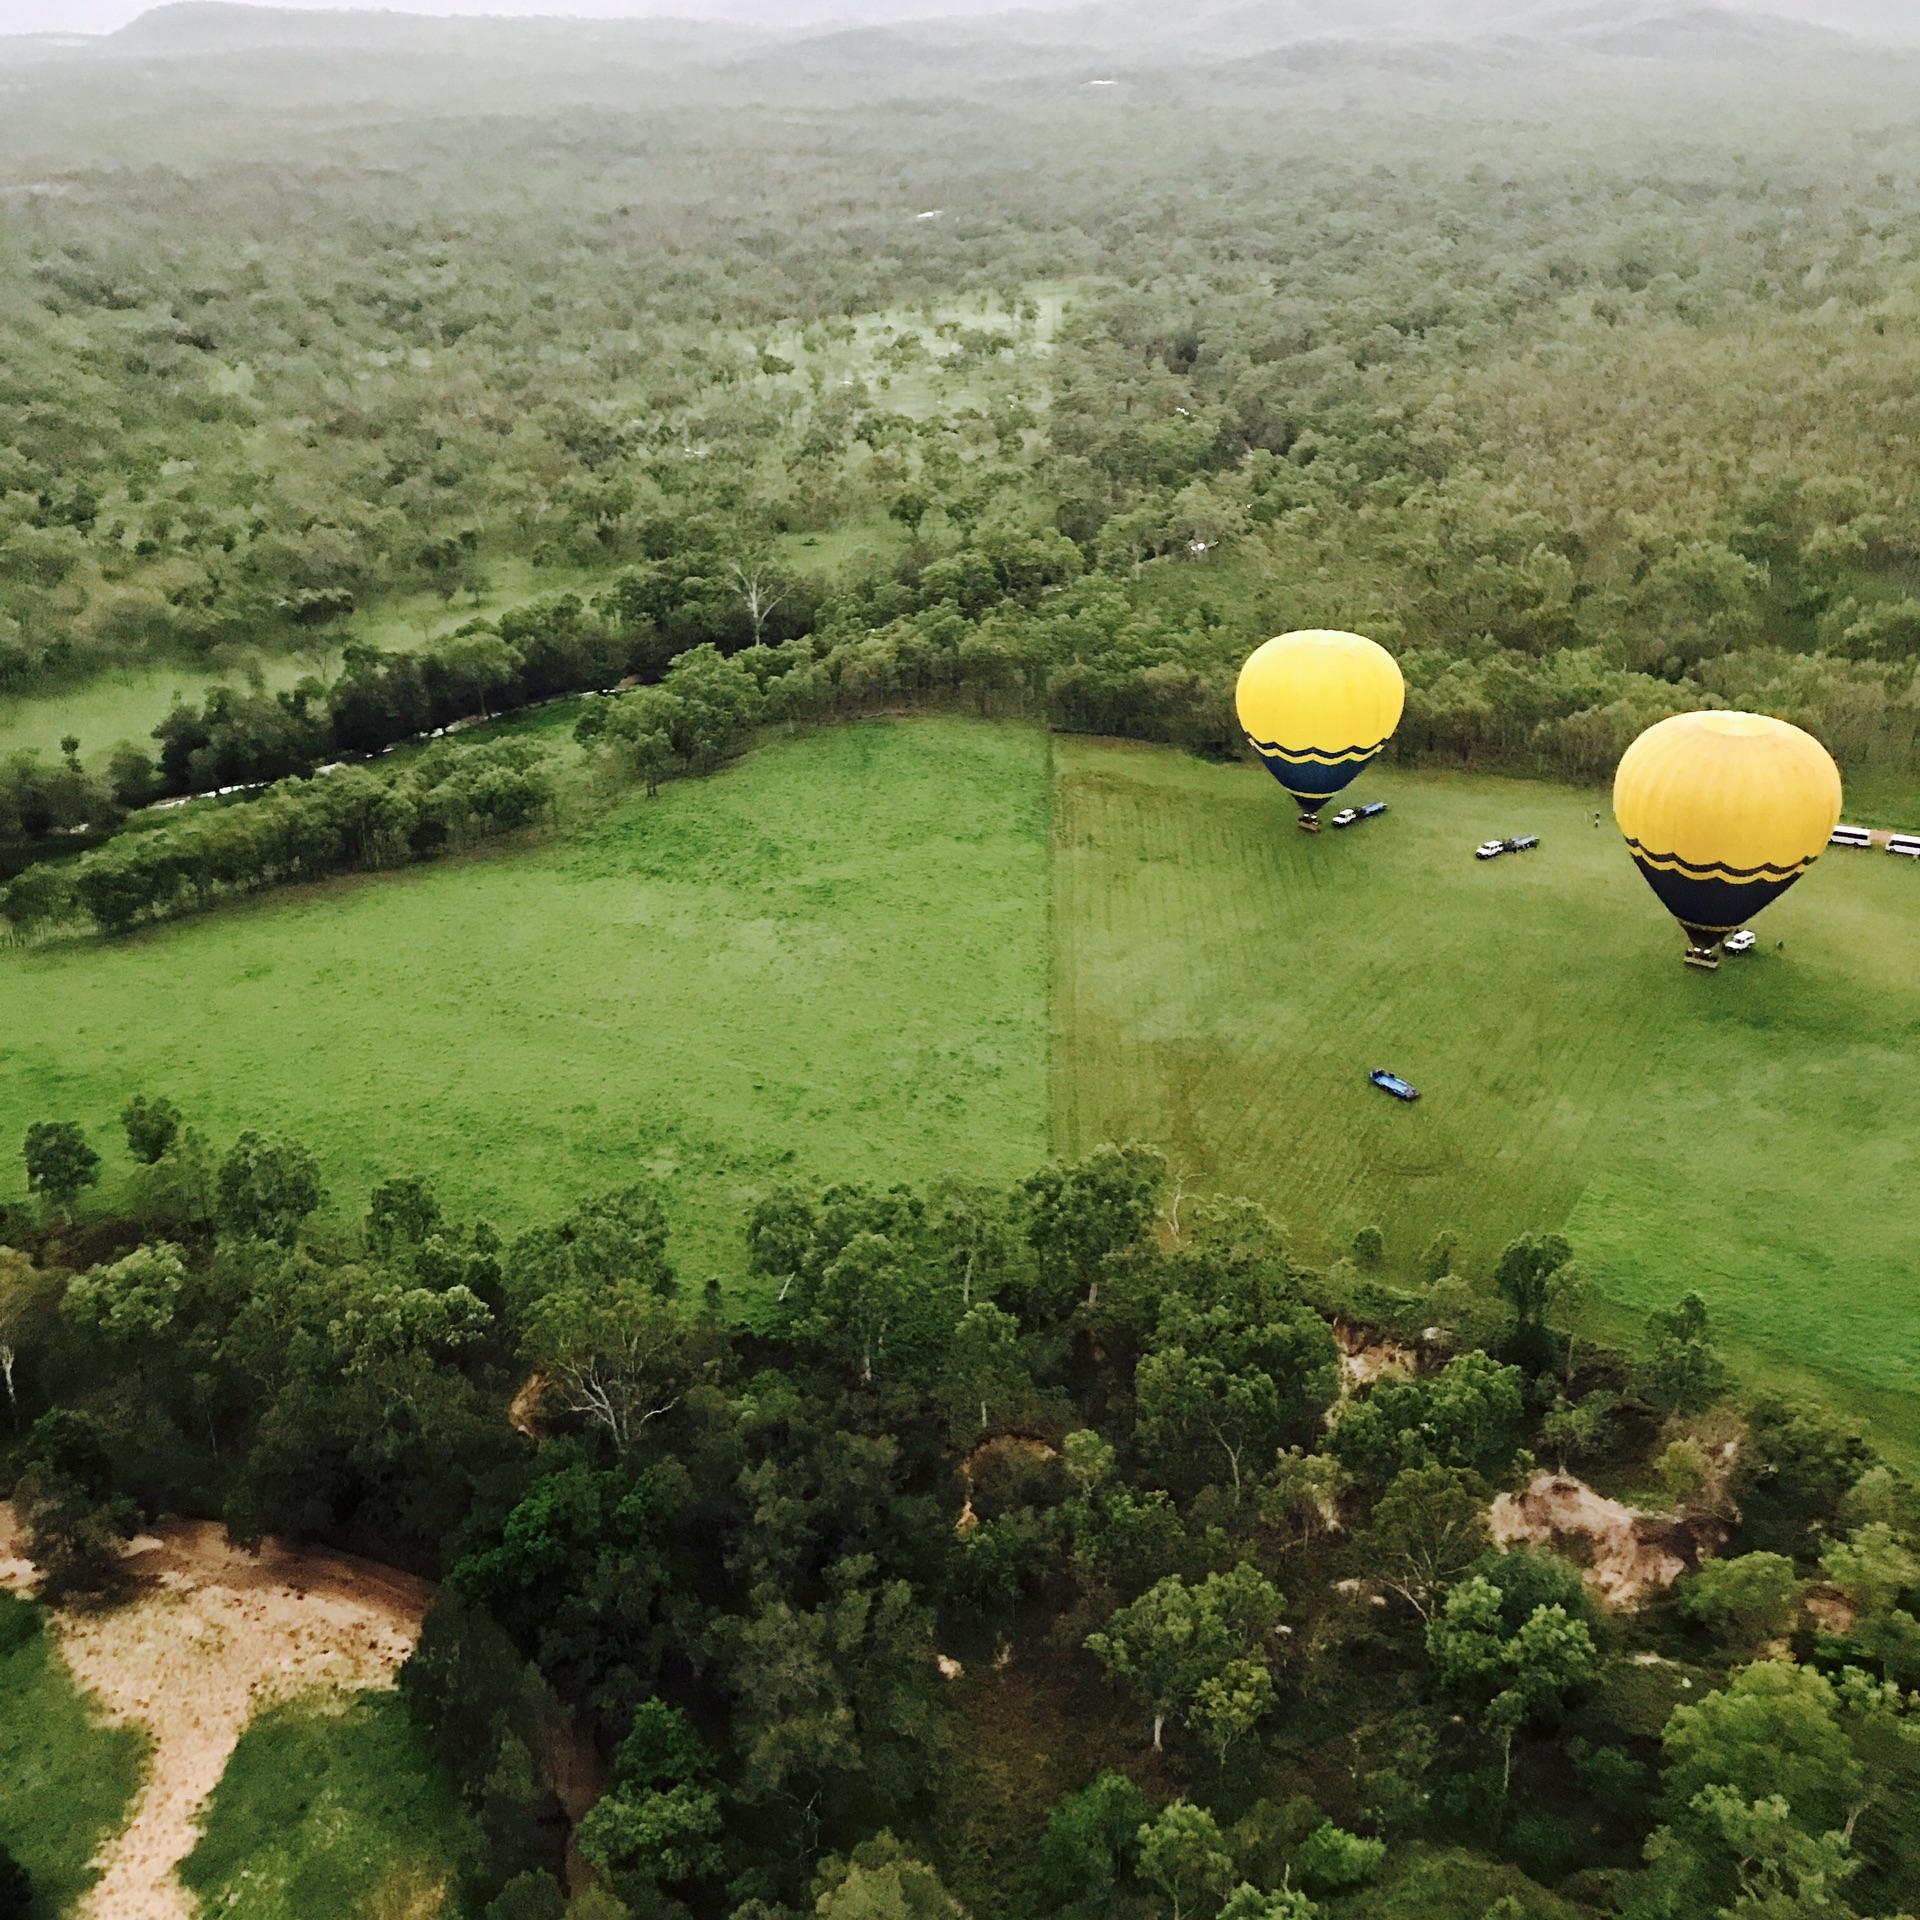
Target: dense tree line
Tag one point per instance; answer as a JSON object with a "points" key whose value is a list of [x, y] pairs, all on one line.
{"points": [[317, 819], [351, 818], [1010, 619], [1081, 1435]]}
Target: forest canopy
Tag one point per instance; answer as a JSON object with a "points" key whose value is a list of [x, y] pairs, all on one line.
{"points": [[1592, 408]]}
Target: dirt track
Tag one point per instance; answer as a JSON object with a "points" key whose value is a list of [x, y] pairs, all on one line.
{"points": [[211, 1636]]}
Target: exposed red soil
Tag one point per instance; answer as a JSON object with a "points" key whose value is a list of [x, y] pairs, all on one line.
{"points": [[1628, 1554]]}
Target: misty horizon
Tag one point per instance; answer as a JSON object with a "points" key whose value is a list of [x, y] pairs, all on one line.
{"points": [[1866, 18]]}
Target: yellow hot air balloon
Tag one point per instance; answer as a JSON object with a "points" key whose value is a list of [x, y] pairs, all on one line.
{"points": [[1317, 706], [1723, 812]]}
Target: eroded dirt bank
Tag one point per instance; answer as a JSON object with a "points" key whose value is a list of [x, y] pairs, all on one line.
{"points": [[1628, 1554]]}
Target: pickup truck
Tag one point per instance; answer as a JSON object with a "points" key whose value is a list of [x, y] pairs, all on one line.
{"points": [[1348, 815]]}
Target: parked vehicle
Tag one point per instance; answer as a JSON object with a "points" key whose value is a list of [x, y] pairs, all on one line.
{"points": [[1393, 1084], [1907, 843], [1741, 942], [1348, 815], [1851, 837], [1492, 849]]}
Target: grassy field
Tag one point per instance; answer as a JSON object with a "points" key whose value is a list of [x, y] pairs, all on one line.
{"points": [[828, 960], [330, 1809], [832, 959], [127, 703], [122, 703], [1223, 984], [66, 1780]]}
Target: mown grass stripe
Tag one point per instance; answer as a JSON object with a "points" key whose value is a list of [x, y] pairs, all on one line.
{"points": [[1225, 984]]}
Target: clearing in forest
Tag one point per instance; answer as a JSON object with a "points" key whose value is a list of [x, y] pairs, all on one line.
{"points": [[1224, 984], [125, 701], [827, 961], [332, 1808], [209, 1637]]}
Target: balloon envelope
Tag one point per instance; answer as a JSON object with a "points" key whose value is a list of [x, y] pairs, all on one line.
{"points": [[1317, 706], [1723, 812]]}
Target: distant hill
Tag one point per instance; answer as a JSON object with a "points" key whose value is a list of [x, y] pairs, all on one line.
{"points": [[1223, 29], [384, 61], [1238, 29], [224, 26]]}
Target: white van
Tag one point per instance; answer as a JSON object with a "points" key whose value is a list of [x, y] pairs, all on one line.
{"points": [[1851, 837], [1907, 843]]}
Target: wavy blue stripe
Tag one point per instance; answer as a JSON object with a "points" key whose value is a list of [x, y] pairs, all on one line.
{"points": [[1714, 905], [1718, 869], [1273, 750], [1311, 783]]}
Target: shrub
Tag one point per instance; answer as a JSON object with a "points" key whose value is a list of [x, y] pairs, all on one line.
{"points": [[1745, 1600], [1331, 1860]]}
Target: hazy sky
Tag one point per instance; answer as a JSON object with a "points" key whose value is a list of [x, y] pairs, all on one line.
{"points": [[102, 16]]}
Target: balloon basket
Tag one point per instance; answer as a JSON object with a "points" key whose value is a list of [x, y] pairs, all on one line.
{"points": [[1707, 959], [1308, 823]]}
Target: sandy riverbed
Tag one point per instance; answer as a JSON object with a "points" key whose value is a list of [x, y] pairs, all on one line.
{"points": [[210, 1636]]}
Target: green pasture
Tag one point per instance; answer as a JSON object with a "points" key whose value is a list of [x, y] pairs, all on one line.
{"points": [[128, 702], [330, 1809], [405, 621], [834, 550], [125, 703], [832, 959], [67, 1780], [1223, 984], [827, 961]]}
